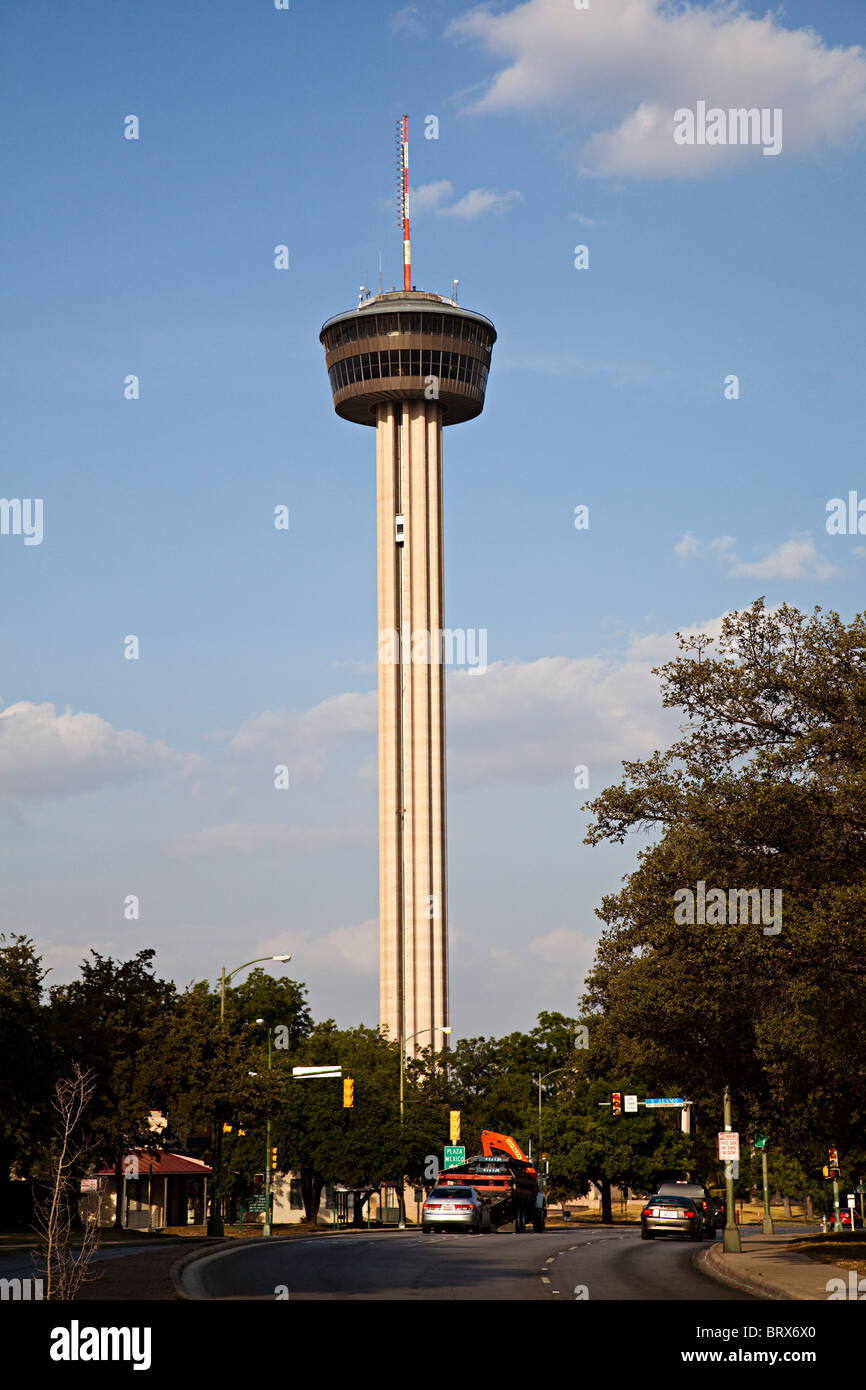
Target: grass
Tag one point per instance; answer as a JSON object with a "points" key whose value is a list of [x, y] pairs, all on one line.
{"points": [[108, 1236], [844, 1249]]}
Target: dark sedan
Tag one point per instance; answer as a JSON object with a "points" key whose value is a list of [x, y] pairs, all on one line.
{"points": [[664, 1214]]}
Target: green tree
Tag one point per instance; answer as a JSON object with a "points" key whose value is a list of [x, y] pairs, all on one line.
{"points": [[494, 1081], [100, 1022], [766, 789], [26, 1074], [588, 1144]]}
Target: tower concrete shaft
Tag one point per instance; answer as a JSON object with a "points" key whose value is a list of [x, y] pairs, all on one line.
{"points": [[413, 909], [409, 364]]}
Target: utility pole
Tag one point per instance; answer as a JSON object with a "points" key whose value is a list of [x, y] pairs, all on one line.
{"points": [[215, 1225], [767, 1223], [731, 1243], [266, 1229], [837, 1219], [403, 1042]]}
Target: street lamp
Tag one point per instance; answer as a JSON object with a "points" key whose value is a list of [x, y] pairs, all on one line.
{"points": [[540, 1080], [266, 1229], [225, 977], [215, 1226], [403, 1042]]}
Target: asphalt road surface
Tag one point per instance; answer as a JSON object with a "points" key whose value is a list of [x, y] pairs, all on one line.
{"points": [[564, 1264]]}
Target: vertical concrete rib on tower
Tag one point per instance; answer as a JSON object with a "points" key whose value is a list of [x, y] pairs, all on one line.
{"points": [[408, 364]]}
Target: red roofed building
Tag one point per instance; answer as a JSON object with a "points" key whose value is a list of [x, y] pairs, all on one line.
{"points": [[158, 1189]]}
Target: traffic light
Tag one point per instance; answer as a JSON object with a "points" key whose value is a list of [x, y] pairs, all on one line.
{"points": [[241, 1132], [274, 1159], [348, 1093], [616, 1103], [227, 1129], [455, 1126]]}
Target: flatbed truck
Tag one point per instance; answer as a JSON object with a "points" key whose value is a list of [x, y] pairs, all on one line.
{"points": [[505, 1180]]}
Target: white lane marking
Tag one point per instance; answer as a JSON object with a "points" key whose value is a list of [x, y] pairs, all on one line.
{"points": [[550, 1261], [554, 1290], [544, 1279]]}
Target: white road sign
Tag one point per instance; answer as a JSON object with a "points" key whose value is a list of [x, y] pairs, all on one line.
{"points": [[729, 1146]]}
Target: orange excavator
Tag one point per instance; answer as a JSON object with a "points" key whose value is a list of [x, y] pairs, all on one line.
{"points": [[505, 1180]]}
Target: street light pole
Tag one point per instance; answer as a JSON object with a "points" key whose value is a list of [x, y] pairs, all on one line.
{"points": [[767, 1226], [224, 978], [540, 1080], [403, 1042], [266, 1229], [731, 1243], [215, 1225]]}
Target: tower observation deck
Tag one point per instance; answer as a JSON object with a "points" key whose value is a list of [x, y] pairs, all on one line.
{"points": [[408, 363]]}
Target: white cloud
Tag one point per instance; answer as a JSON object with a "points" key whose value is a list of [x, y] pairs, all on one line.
{"points": [[618, 71], [688, 546], [480, 200], [793, 559], [64, 962], [796, 558], [561, 948], [518, 722], [428, 196], [44, 754], [723, 545], [303, 737], [408, 20], [351, 949], [589, 222], [432, 197]]}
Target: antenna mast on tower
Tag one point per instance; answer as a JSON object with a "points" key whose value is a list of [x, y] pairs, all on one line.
{"points": [[403, 197]]}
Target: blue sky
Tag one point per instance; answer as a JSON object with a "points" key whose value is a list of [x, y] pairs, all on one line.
{"points": [[155, 257]]}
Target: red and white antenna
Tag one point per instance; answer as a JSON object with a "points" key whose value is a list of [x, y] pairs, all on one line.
{"points": [[403, 139]]}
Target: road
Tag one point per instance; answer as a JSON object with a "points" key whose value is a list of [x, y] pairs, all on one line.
{"points": [[598, 1264]]}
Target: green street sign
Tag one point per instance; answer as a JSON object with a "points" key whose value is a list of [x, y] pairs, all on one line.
{"points": [[455, 1155], [760, 1141]]}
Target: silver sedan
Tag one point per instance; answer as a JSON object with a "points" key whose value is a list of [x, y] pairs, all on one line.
{"points": [[452, 1208]]}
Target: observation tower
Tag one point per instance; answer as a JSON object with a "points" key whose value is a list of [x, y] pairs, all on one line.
{"points": [[407, 363]]}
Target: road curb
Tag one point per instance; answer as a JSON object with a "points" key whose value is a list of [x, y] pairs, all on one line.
{"points": [[710, 1262], [186, 1273], [175, 1274], [187, 1282]]}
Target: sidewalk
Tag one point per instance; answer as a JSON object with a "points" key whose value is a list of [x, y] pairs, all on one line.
{"points": [[766, 1268]]}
